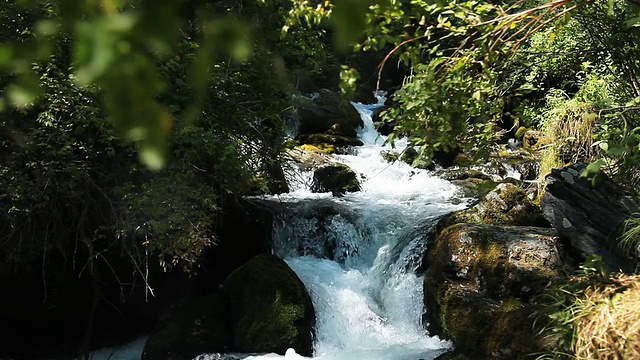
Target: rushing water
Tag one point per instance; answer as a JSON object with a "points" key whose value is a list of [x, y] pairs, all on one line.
{"points": [[358, 255]]}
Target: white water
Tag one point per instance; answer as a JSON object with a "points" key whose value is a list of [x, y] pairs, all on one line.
{"points": [[358, 255]]}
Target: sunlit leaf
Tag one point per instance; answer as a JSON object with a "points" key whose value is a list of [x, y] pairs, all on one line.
{"points": [[22, 96], [350, 21], [593, 168]]}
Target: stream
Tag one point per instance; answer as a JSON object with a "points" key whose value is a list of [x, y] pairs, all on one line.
{"points": [[359, 256]]}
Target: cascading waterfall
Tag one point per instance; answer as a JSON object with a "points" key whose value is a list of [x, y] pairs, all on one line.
{"points": [[359, 255]]}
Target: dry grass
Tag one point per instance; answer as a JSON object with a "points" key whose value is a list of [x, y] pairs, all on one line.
{"points": [[611, 327]]}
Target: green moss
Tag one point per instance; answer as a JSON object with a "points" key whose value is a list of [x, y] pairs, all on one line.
{"points": [[271, 309], [507, 335]]}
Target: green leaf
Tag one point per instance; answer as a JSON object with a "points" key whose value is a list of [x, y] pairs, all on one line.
{"points": [[616, 151], [593, 168], [350, 21]]}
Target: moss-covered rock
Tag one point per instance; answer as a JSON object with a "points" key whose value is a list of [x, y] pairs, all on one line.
{"points": [[462, 174], [502, 260], [335, 140], [423, 162], [271, 310], [480, 283], [506, 204], [325, 111], [335, 178], [489, 329], [200, 326]]}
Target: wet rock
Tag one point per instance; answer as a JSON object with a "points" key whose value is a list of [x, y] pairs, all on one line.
{"points": [[327, 110], [311, 230], [335, 178], [336, 140], [479, 284], [474, 187], [308, 157], [201, 326], [218, 356], [500, 260], [506, 204], [409, 155], [462, 174], [271, 310], [383, 127], [423, 162], [589, 217], [527, 167], [472, 183]]}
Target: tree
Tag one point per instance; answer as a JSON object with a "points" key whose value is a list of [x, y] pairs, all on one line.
{"points": [[203, 101]]}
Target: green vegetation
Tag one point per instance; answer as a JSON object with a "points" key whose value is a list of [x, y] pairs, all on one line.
{"points": [[126, 125], [88, 89]]}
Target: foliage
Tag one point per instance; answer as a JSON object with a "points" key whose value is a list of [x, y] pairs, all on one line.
{"points": [[477, 64], [450, 117], [630, 240]]}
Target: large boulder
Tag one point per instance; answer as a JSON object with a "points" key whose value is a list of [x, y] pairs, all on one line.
{"points": [[506, 204], [271, 310], [479, 285], [589, 217], [335, 178], [201, 326], [329, 112]]}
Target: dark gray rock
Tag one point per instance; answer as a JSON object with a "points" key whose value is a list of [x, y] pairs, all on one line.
{"points": [[336, 140], [384, 128], [200, 326], [329, 112], [528, 168], [335, 178], [590, 218]]}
